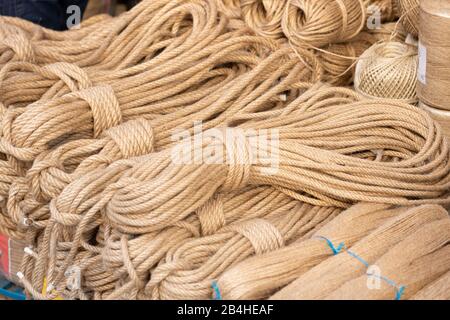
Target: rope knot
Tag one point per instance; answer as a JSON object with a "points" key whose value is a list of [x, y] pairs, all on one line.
{"points": [[69, 72], [211, 215], [16, 39], [105, 107], [133, 138], [263, 235], [63, 218], [239, 160], [164, 270]]}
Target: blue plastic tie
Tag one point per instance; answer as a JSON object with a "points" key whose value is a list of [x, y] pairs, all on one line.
{"points": [[215, 287], [398, 290], [331, 245], [399, 293], [354, 255]]}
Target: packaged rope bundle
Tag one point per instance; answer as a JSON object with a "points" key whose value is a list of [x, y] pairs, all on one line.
{"points": [[260, 276], [351, 261], [413, 263]]}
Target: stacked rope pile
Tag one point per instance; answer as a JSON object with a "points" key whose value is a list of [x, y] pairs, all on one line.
{"points": [[329, 28], [128, 159], [150, 195]]}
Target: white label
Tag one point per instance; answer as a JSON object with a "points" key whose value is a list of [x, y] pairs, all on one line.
{"points": [[422, 72]]}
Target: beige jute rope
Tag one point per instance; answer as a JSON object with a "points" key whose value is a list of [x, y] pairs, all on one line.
{"points": [[262, 275], [416, 261], [109, 191], [438, 290], [409, 12], [388, 70], [440, 116], [319, 22], [331, 274], [264, 16], [434, 50]]}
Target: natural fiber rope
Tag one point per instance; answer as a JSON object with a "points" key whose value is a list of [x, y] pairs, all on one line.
{"points": [[388, 70], [260, 276], [434, 75], [78, 106], [187, 273], [419, 259], [264, 16], [440, 116], [319, 22], [143, 178], [438, 290], [321, 280], [409, 12]]}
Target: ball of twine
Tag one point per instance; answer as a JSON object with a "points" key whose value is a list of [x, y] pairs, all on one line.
{"points": [[388, 70], [264, 16], [320, 22], [409, 12]]}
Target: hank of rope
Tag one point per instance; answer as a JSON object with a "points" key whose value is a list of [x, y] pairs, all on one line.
{"points": [[344, 265]]}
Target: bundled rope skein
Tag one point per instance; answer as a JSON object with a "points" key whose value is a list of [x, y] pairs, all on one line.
{"points": [[320, 22], [260, 276], [227, 100], [388, 70], [146, 251], [419, 173], [189, 271], [416, 261], [329, 275], [434, 50], [409, 15]]}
